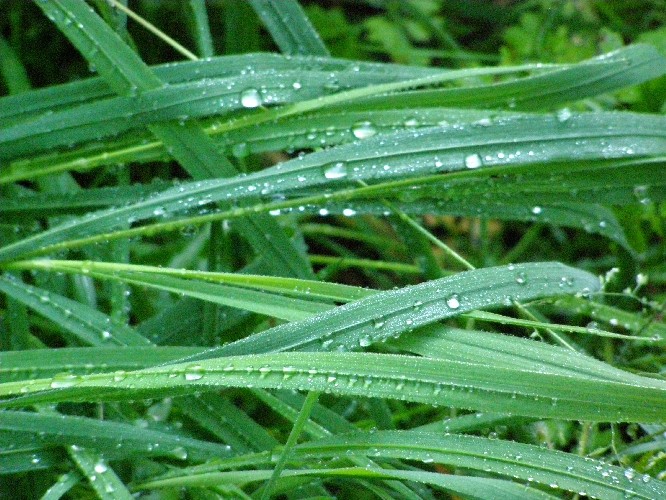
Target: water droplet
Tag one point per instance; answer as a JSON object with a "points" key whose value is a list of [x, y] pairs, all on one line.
{"points": [[363, 130], [336, 171], [378, 323], [536, 210], [473, 161], [453, 302], [563, 115], [417, 305], [630, 474], [193, 372], [520, 278], [349, 212], [64, 380], [250, 98], [297, 85], [119, 376], [100, 467], [365, 341]]}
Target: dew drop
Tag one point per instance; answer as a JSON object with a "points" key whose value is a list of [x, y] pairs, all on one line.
{"points": [[336, 171], [536, 210], [250, 98], [520, 278], [193, 372], [453, 302], [349, 212], [363, 130], [365, 341], [64, 380], [100, 467], [563, 115], [473, 161]]}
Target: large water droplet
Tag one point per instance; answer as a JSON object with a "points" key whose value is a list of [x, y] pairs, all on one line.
{"points": [[63, 380], [100, 467], [250, 98], [363, 130], [453, 302], [193, 372], [336, 171], [473, 161]]}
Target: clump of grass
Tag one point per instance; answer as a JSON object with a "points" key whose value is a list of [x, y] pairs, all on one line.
{"points": [[249, 274]]}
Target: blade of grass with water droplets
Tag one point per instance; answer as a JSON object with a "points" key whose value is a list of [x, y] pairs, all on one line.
{"points": [[467, 486], [125, 73], [115, 440], [472, 384], [87, 324], [525, 462], [406, 155]]}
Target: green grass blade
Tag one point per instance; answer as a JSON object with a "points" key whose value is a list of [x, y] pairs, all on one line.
{"points": [[465, 486], [471, 384], [546, 467], [115, 440], [289, 26], [87, 324]]}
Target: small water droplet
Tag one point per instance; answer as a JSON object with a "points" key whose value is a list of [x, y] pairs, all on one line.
{"points": [[473, 161], [563, 115], [296, 85], [453, 302], [349, 212], [365, 341], [536, 210], [363, 130], [250, 98], [520, 278], [336, 171]]}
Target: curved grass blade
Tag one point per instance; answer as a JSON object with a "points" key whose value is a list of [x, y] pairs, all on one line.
{"points": [[101, 477], [472, 384], [289, 26], [547, 467], [521, 142]]}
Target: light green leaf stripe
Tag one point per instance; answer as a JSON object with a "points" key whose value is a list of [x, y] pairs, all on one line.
{"points": [[479, 488]]}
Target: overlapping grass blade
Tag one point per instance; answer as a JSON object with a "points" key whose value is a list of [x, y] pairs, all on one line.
{"points": [[289, 26], [467, 486], [126, 74], [88, 325], [210, 97], [472, 385], [116, 440], [519, 143]]}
